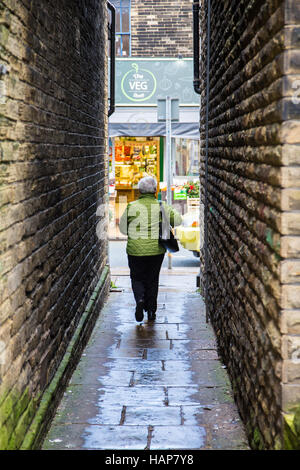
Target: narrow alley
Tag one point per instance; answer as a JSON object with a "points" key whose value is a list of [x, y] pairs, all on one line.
{"points": [[192, 106], [151, 385]]}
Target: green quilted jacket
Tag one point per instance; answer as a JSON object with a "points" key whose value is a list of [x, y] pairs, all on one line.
{"points": [[140, 222]]}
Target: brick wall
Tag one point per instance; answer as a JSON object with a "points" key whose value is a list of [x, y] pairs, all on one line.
{"points": [[52, 179], [253, 199], [161, 28], [290, 227]]}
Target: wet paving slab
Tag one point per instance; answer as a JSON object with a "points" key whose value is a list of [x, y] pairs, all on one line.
{"points": [[149, 386]]}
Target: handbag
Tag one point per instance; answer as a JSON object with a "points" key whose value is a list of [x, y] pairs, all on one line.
{"points": [[166, 235]]}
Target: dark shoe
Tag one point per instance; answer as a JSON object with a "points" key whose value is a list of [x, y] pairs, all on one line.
{"points": [[151, 316], [139, 311]]}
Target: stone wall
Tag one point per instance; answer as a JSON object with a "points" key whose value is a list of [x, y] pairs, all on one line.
{"points": [[52, 179], [253, 198], [161, 28]]}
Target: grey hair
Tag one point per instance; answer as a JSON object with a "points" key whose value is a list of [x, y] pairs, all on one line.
{"points": [[147, 185]]}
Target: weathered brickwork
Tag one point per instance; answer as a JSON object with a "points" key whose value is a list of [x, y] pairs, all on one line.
{"points": [[52, 179], [253, 206], [161, 28]]}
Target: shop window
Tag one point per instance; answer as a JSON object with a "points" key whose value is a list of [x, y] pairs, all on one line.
{"points": [[131, 158], [186, 158], [123, 27]]}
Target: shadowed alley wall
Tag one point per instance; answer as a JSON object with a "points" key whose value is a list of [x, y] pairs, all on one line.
{"points": [[52, 179], [253, 208]]}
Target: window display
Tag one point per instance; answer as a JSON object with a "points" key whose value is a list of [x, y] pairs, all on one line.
{"points": [[130, 159], [186, 157], [135, 158]]}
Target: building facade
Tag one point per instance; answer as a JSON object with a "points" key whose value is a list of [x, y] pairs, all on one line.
{"points": [[153, 28], [154, 60], [161, 28]]}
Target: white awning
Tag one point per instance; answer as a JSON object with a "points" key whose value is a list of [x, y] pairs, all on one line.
{"points": [[185, 130]]}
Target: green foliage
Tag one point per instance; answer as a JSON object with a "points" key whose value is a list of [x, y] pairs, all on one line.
{"points": [[192, 188], [257, 441], [292, 430]]}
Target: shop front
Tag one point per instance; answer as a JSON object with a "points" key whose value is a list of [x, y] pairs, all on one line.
{"points": [[138, 141], [135, 157], [131, 158]]}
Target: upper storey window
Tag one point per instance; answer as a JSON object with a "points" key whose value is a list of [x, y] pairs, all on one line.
{"points": [[123, 27]]}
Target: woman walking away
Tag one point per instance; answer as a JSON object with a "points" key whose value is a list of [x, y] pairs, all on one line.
{"points": [[140, 222]]}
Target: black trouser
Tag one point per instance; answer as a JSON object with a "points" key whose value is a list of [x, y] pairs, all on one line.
{"points": [[144, 274]]}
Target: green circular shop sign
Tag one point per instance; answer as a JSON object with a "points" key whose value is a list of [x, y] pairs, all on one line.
{"points": [[138, 84]]}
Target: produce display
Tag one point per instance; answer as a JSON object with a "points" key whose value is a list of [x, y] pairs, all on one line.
{"points": [[135, 159]]}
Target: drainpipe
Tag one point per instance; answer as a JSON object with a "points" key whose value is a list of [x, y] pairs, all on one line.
{"points": [[206, 161], [112, 39], [196, 40], [196, 10]]}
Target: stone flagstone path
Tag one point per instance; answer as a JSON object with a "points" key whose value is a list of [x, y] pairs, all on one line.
{"points": [[151, 386]]}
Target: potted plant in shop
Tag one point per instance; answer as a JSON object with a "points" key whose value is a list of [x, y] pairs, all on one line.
{"points": [[192, 189]]}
